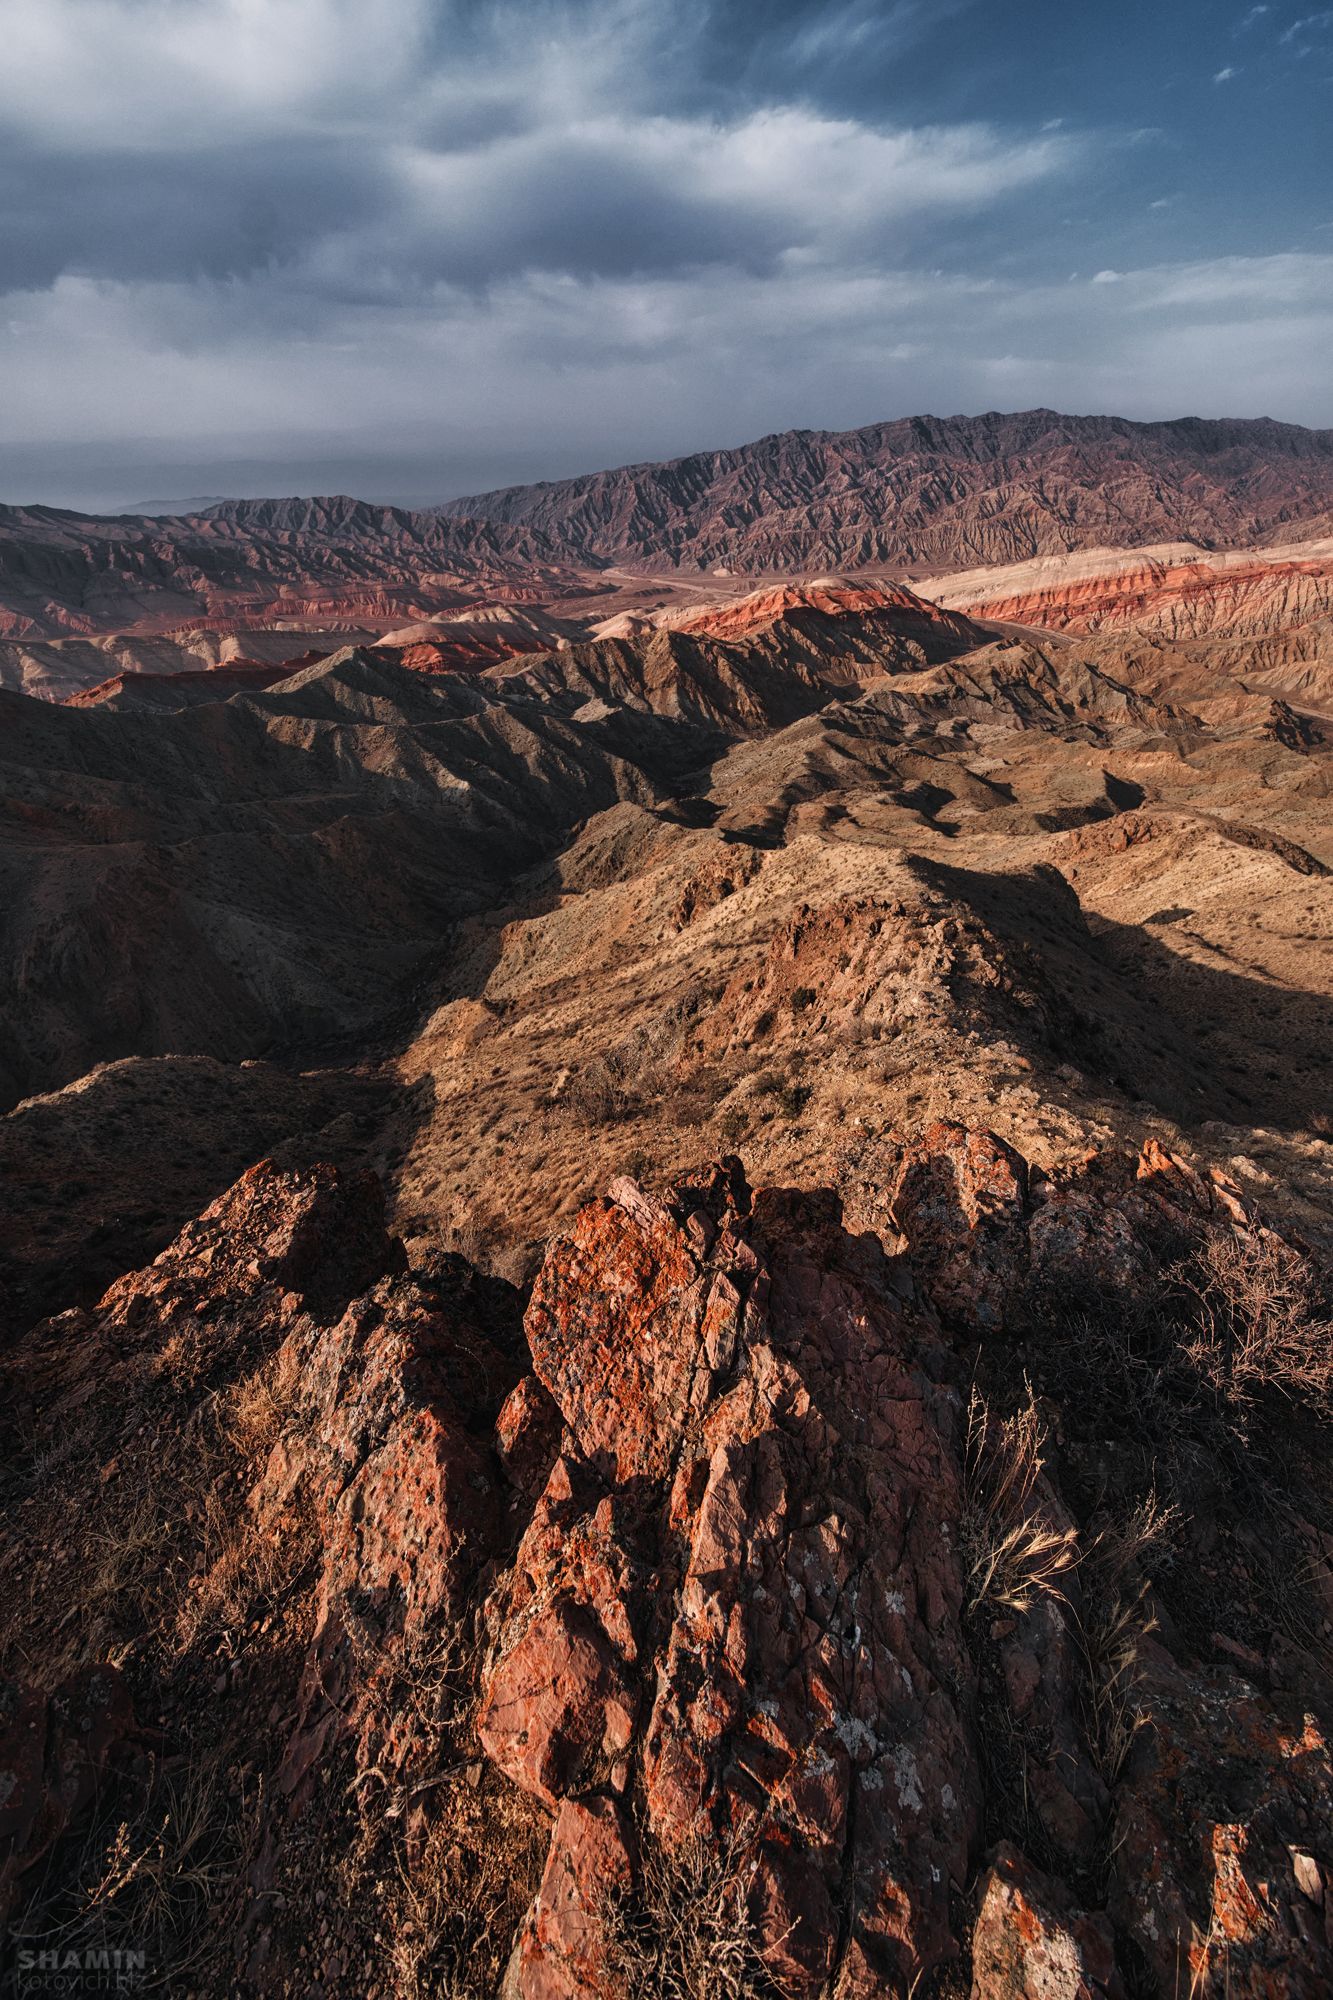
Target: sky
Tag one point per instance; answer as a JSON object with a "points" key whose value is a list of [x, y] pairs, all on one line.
{"points": [[415, 248]]}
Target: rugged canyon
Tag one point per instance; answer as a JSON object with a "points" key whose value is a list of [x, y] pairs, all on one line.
{"points": [[665, 1293]]}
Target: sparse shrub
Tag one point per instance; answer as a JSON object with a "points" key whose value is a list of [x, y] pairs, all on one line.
{"points": [[733, 1125], [468, 1235], [793, 1098], [593, 1093], [803, 999], [637, 1070], [684, 1932], [515, 1261], [454, 1913], [1257, 1327]]}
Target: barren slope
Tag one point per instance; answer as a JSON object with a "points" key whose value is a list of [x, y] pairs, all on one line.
{"points": [[1267, 612]]}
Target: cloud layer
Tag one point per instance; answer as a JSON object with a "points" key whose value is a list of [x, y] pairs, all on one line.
{"points": [[470, 240]]}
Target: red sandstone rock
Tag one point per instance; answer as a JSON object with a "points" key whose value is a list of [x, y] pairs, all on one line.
{"points": [[1041, 1660], [225, 1292], [626, 1317], [408, 1502], [1031, 1943], [710, 1560], [562, 1953], [1223, 1842], [960, 1199], [771, 1547], [559, 1706], [527, 1436]]}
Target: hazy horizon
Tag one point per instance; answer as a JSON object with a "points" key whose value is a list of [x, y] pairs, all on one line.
{"points": [[176, 496]]}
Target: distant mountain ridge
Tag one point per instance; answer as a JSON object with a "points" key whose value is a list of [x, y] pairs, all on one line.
{"points": [[77, 575], [950, 492]]}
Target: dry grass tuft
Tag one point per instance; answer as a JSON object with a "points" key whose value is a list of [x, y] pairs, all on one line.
{"points": [[246, 1570], [1014, 1556], [455, 1907], [684, 1932], [159, 1879], [1116, 1622], [255, 1411], [1113, 1648]]}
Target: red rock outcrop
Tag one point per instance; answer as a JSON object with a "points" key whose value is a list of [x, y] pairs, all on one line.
{"points": [[983, 1229], [707, 1571], [738, 1604], [1178, 592], [563, 1951], [388, 1446], [1223, 1861], [808, 606], [1030, 1940], [273, 1248], [750, 1526]]}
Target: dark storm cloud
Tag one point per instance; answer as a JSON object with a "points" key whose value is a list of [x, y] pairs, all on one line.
{"points": [[534, 234], [217, 214]]}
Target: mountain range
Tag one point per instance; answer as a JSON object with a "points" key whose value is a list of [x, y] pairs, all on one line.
{"points": [[948, 492], [267, 582]]}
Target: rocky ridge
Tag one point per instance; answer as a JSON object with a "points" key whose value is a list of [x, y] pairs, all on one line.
{"points": [[945, 492], [720, 1605], [76, 574], [1266, 613], [362, 798]]}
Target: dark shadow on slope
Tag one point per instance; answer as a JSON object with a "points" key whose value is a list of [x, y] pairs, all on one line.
{"points": [[1197, 1042]]}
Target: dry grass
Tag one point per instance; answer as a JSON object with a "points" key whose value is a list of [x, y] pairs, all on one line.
{"points": [[259, 1405], [455, 1905], [1117, 1619], [159, 1877], [1257, 1327], [1113, 1648], [245, 1570], [684, 1932], [423, 1690], [1014, 1556]]}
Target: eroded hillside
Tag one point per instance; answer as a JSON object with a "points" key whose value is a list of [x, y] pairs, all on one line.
{"points": [[667, 1315]]}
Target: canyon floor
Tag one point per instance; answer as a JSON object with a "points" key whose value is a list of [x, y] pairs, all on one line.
{"points": [[667, 1289]]}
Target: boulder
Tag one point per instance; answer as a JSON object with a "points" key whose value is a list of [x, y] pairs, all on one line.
{"points": [[563, 1951], [1223, 1841], [1031, 1942]]}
